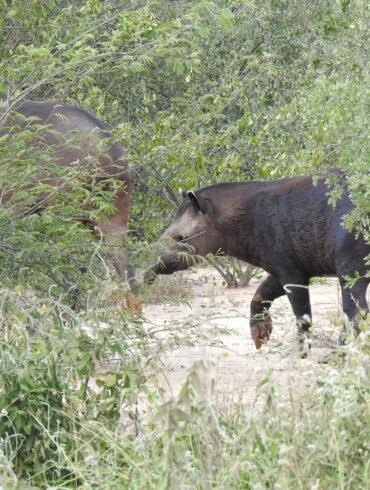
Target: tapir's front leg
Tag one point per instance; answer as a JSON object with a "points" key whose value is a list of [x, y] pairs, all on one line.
{"points": [[260, 320]]}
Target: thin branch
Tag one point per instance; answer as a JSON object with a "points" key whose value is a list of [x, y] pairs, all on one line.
{"points": [[253, 50]]}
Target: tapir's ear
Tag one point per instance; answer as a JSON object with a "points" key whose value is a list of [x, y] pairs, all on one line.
{"points": [[196, 202]]}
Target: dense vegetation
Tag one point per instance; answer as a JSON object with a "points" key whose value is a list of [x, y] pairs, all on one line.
{"points": [[197, 93]]}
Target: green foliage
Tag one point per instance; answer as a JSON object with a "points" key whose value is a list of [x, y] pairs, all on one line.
{"points": [[197, 93], [59, 373], [43, 241], [202, 92], [316, 438], [319, 438]]}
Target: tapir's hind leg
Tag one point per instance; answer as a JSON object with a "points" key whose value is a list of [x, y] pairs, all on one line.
{"points": [[298, 294], [260, 319], [114, 231], [354, 303]]}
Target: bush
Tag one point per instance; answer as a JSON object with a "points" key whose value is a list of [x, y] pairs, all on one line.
{"points": [[198, 93], [60, 372]]}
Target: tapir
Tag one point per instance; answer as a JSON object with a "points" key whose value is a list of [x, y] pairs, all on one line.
{"points": [[288, 228], [77, 137]]}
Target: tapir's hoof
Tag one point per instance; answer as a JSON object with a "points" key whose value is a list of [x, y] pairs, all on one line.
{"points": [[133, 304], [149, 277], [343, 338], [261, 331], [341, 341], [304, 345]]}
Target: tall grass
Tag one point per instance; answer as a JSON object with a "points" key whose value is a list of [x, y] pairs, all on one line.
{"points": [[118, 431]]}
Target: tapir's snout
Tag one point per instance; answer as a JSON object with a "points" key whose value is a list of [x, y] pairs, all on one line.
{"points": [[167, 264]]}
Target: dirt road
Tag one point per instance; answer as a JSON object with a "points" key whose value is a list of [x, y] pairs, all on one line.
{"points": [[235, 366]]}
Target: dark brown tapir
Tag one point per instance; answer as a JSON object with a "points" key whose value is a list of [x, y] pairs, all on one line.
{"points": [[77, 136], [288, 228]]}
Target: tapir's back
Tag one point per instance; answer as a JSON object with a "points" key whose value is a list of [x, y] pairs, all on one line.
{"points": [[74, 135], [307, 231]]}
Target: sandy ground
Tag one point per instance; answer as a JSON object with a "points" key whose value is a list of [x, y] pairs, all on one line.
{"points": [[234, 366]]}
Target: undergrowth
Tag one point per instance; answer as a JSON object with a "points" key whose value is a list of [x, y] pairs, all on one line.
{"points": [[166, 289], [80, 408]]}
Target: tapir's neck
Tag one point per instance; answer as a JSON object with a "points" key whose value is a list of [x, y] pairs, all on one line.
{"points": [[234, 222]]}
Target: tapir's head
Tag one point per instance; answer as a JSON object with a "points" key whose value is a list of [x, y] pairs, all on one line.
{"points": [[193, 228]]}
